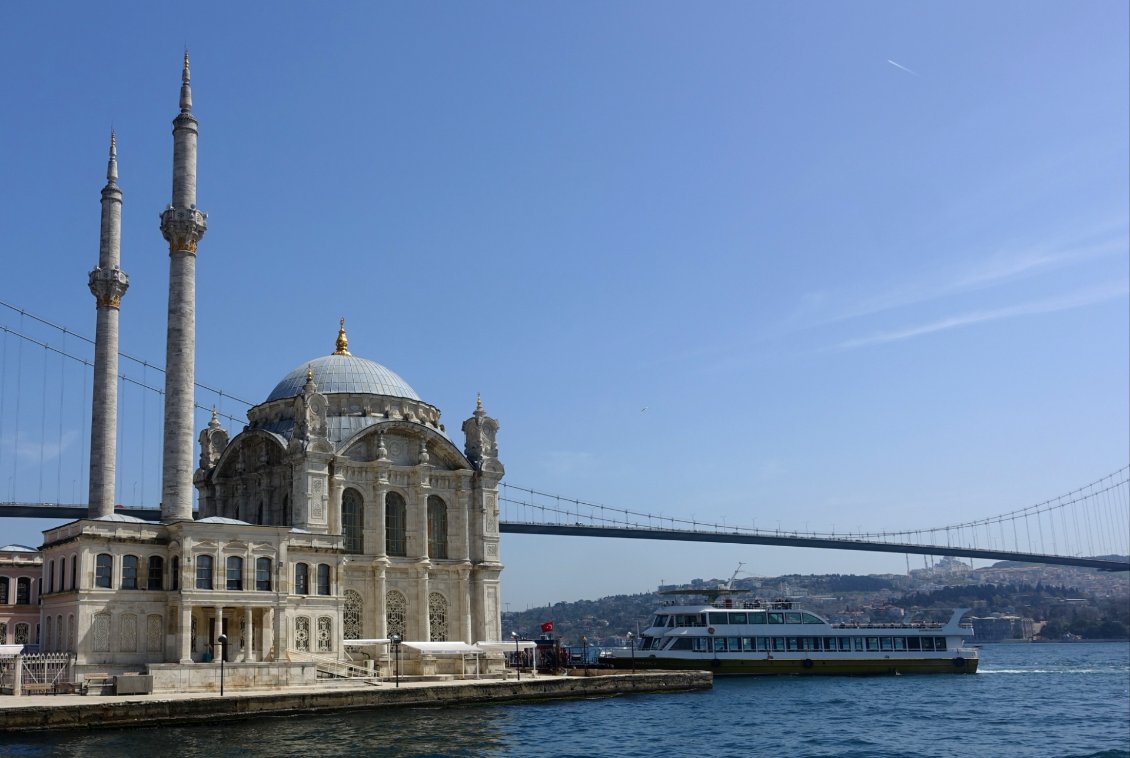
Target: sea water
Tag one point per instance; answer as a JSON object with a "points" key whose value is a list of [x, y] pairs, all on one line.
{"points": [[1046, 699]]}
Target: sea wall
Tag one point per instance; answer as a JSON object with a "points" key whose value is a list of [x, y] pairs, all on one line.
{"points": [[65, 712]]}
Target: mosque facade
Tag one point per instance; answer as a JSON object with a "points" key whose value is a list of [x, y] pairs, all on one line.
{"points": [[343, 510]]}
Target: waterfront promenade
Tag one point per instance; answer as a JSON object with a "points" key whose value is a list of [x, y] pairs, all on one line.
{"points": [[35, 712]]}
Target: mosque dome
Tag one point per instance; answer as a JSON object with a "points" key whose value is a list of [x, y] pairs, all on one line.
{"points": [[342, 372]]}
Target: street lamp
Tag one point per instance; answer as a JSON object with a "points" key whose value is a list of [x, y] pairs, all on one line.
{"points": [[517, 663], [396, 654], [223, 640], [632, 646]]}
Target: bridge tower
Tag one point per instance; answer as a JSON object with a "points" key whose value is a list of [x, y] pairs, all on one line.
{"points": [[182, 225], [107, 283]]}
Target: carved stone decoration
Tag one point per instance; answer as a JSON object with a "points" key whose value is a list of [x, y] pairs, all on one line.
{"points": [[437, 616], [153, 626], [192, 635], [396, 611], [183, 228], [479, 433], [382, 451], [302, 634], [127, 634], [351, 615], [108, 286], [101, 633], [213, 442], [325, 634], [423, 457]]}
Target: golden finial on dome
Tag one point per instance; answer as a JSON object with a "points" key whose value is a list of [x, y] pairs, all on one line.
{"points": [[309, 375], [342, 340]]}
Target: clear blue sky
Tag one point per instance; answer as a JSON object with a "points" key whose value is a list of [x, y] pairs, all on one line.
{"points": [[864, 265]]}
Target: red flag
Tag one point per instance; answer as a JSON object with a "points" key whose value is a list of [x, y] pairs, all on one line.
{"points": [[547, 627]]}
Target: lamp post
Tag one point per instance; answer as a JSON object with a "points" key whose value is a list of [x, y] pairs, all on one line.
{"points": [[396, 654], [632, 645], [223, 640], [517, 663]]}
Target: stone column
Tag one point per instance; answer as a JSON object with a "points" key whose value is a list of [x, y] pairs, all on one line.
{"points": [[108, 283], [184, 634], [182, 225], [423, 590], [380, 612], [249, 641]]}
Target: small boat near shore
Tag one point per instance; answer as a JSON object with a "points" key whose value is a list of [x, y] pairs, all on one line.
{"points": [[762, 637]]}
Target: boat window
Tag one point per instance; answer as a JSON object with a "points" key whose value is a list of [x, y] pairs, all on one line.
{"points": [[808, 618], [681, 643], [737, 618], [792, 618], [845, 644], [734, 644], [747, 644], [913, 643], [900, 643], [717, 618], [830, 644], [811, 643], [757, 617], [927, 643], [779, 643], [660, 620], [939, 643], [776, 618], [702, 644], [794, 644], [762, 644], [872, 643], [886, 644]]}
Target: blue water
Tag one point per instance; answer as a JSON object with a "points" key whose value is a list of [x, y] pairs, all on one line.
{"points": [[1054, 700]]}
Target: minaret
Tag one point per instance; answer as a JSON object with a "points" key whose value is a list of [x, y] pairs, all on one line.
{"points": [[183, 226], [107, 283]]}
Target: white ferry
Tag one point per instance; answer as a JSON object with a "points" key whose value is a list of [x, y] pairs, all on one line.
{"points": [[728, 636]]}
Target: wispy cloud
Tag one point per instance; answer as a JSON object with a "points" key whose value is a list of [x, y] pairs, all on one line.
{"points": [[1079, 299], [904, 68]]}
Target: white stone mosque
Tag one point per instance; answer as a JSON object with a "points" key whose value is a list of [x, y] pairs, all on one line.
{"points": [[341, 512]]}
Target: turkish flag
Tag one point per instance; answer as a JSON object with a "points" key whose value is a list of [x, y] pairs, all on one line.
{"points": [[547, 626]]}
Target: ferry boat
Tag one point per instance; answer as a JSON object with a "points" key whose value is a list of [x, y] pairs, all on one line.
{"points": [[729, 636]]}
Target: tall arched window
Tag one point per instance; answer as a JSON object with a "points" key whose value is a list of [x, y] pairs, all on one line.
{"points": [[129, 572], [263, 574], [235, 573], [396, 611], [301, 579], [74, 572], [3, 592], [396, 516], [437, 527], [323, 579], [103, 570], [302, 633], [203, 572], [174, 583], [23, 591], [51, 576], [351, 615], [437, 616], [156, 573], [352, 520], [4, 631]]}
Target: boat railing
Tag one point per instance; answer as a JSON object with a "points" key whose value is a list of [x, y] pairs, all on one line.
{"points": [[928, 625]]}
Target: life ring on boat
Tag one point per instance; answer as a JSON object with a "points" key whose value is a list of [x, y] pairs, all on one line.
{"points": [[710, 630], [959, 662], [807, 663]]}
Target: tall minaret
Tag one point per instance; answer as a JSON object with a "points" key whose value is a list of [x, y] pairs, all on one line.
{"points": [[107, 283], [183, 226]]}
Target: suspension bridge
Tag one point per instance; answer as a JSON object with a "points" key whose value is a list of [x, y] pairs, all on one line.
{"points": [[45, 387]]}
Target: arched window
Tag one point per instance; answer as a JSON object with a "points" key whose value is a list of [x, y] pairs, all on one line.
{"points": [[3, 592], [71, 633], [23, 634], [203, 572], [437, 527], [129, 572], [352, 520], [323, 579], [396, 537], [351, 615], [263, 574], [74, 575], [396, 611], [325, 634], [301, 579], [235, 572], [4, 631], [23, 591], [156, 573], [103, 570], [62, 572], [174, 582], [437, 617], [302, 633], [51, 576]]}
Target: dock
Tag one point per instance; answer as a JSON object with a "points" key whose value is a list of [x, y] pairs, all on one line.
{"points": [[40, 712]]}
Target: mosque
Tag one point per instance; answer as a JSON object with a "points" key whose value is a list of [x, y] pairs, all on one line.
{"points": [[343, 511]]}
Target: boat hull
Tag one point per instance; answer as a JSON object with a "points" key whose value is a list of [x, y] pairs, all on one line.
{"points": [[804, 666]]}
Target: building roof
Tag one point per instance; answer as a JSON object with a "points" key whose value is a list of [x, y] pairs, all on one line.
{"points": [[17, 549], [344, 374]]}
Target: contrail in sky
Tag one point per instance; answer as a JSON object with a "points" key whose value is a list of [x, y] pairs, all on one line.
{"points": [[904, 68]]}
